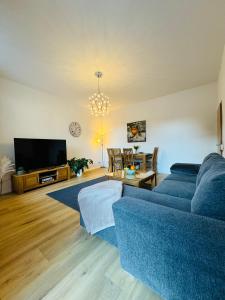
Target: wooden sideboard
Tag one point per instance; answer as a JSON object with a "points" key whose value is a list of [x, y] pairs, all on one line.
{"points": [[32, 180], [144, 159]]}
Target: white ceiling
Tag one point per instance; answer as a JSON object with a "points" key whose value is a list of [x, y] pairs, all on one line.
{"points": [[145, 48]]}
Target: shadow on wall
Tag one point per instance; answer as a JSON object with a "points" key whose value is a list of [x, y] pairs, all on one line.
{"points": [[8, 150]]}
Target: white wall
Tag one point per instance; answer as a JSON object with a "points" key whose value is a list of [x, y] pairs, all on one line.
{"points": [[29, 113], [183, 125], [221, 91]]}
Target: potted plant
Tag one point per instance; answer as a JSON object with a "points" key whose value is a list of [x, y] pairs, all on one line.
{"points": [[78, 165]]}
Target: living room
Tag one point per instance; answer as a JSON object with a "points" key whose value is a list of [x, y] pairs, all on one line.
{"points": [[161, 69]]}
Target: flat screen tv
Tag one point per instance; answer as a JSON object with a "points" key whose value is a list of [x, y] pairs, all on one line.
{"points": [[33, 154]]}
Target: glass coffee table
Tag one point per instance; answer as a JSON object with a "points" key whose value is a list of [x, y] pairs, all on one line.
{"points": [[139, 180]]}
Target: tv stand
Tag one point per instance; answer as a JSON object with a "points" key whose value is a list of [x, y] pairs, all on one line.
{"points": [[39, 178], [50, 168]]}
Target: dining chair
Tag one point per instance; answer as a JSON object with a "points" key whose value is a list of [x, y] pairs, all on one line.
{"points": [[117, 159], [154, 162], [128, 156], [110, 159], [149, 184], [154, 159]]}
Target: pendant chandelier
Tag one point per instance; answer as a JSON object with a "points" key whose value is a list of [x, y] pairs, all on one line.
{"points": [[98, 102]]}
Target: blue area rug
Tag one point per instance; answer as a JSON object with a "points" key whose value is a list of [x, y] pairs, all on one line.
{"points": [[68, 196]]}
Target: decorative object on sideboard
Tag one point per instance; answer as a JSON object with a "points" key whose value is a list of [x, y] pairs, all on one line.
{"points": [[20, 171], [78, 165], [6, 167], [136, 147], [75, 129], [99, 103], [136, 132]]}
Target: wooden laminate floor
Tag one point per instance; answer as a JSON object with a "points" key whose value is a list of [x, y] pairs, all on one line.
{"points": [[45, 254]]}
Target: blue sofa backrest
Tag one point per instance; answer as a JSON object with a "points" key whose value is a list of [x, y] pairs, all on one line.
{"points": [[209, 197], [207, 163]]}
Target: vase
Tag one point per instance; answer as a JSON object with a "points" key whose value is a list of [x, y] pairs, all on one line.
{"points": [[130, 174], [79, 173]]}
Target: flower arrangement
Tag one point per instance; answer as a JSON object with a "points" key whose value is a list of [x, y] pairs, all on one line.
{"points": [[130, 171]]}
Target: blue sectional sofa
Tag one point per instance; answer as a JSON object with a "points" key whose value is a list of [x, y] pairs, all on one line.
{"points": [[173, 238]]}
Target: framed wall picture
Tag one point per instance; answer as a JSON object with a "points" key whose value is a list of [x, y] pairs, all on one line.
{"points": [[136, 132]]}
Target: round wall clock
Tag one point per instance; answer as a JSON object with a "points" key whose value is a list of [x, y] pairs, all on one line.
{"points": [[75, 129]]}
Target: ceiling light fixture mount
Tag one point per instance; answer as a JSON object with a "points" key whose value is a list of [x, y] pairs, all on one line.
{"points": [[98, 102]]}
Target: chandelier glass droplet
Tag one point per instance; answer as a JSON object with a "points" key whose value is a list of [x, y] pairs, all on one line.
{"points": [[98, 102]]}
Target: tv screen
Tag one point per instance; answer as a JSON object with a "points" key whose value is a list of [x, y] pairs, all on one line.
{"points": [[32, 154]]}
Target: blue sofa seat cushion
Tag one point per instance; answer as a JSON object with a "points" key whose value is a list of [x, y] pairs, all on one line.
{"points": [[161, 199], [182, 177], [185, 168], [176, 188], [209, 198]]}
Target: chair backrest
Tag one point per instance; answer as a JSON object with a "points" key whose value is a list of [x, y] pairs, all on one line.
{"points": [[128, 156], [127, 151], [109, 151], [116, 151], [117, 159], [154, 159], [110, 158]]}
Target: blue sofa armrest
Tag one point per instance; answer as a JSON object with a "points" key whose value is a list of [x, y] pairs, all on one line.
{"points": [[179, 254], [185, 168]]}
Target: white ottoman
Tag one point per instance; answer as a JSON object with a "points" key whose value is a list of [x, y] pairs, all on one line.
{"points": [[96, 202]]}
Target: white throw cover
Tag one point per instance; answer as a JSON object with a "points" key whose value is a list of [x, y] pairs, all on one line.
{"points": [[96, 202]]}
